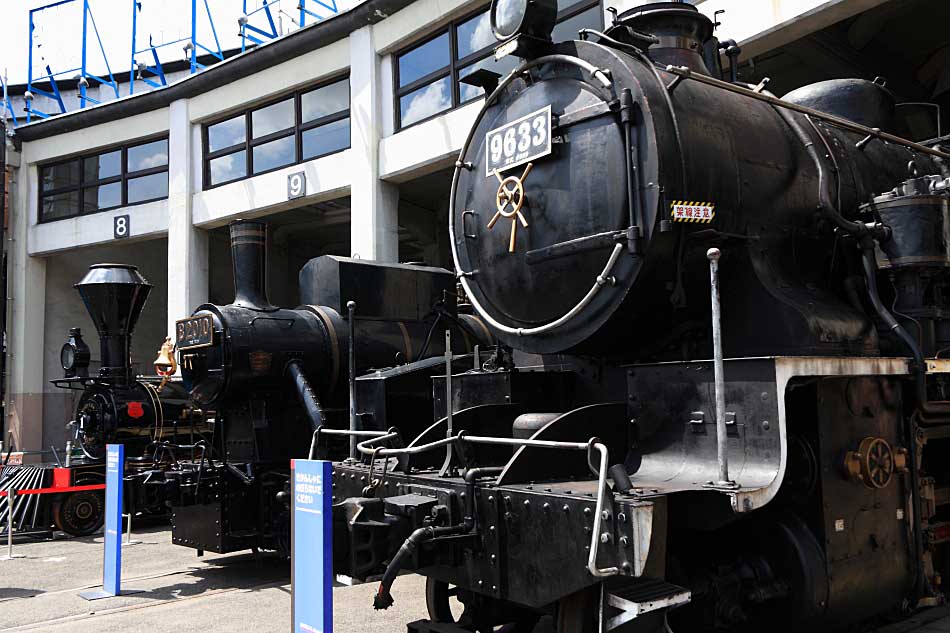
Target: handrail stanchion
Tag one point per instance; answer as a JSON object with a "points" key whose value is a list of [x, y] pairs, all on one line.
{"points": [[351, 315], [11, 494], [722, 436], [447, 467]]}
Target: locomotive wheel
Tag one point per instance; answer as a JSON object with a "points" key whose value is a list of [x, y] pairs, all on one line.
{"points": [[79, 513], [466, 613], [439, 602]]}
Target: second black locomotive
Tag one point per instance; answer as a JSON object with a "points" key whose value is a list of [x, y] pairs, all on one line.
{"points": [[278, 378]]}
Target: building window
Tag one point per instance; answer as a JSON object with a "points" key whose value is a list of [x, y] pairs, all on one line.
{"points": [[304, 125], [429, 75], [108, 180]]}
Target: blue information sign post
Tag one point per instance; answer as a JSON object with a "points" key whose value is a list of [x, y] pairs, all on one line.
{"points": [[312, 547], [112, 556]]}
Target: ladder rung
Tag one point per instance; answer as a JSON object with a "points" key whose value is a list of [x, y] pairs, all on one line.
{"points": [[643, 597]]}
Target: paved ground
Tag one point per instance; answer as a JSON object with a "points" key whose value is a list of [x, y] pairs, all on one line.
{"points": [[183, 592], [39, 592], [935, 620]]}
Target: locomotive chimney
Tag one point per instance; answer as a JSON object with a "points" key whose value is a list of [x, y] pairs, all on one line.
{"points": [[249, 256], [682, 30], [114, 295]]}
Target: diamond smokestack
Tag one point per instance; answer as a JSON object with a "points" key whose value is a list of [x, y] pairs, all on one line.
{"points": [[114, 295]]}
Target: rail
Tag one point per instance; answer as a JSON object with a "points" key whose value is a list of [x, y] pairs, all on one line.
{"points": [[53, 490], [869, 132], [367, 448], [320, 430], [603, 279]]}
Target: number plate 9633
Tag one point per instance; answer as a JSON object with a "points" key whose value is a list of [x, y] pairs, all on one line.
{"points": [[524, 139]]}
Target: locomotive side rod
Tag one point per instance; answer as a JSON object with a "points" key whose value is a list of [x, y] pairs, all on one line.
{"points": [[869, 132]]}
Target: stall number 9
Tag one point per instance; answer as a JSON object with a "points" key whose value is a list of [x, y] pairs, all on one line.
{"points": [[296, 185], [515, 142]]}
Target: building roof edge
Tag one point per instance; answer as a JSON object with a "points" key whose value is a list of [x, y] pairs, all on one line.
{"points": [[295, 44]]}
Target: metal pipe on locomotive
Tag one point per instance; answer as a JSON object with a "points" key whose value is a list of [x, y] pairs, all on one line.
{"points": [[594, 181]]}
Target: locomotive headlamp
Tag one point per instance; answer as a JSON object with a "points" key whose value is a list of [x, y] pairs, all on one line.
{"points": [[74, 355], [510, 18]]}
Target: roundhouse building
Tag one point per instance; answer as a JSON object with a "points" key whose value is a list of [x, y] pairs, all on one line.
{"points": [[342, 135]]}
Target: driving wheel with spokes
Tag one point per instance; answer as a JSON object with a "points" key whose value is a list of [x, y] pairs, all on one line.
{"points": [[448, 604], [79, 513]]}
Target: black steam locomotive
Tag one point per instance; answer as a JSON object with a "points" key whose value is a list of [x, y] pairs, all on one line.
{"points": [[150, 415], [608, 465], [280, 379]]}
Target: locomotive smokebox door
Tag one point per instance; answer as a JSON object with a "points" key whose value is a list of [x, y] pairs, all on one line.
{"points": [[541, 207]]}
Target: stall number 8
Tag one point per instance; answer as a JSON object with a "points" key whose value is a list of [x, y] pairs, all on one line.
{"points": [[120, 227], [519, 140]]}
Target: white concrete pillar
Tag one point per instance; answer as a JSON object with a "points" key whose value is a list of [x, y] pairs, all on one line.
{"points": [[187, 244], [26, 311], [374, 204]]}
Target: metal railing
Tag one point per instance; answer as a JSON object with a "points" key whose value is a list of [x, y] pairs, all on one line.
{"points": [[367, 447]]}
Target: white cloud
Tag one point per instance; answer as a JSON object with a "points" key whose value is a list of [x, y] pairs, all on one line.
{"points": [[482, 35], [432, 99], [224, 168], [153, 160]]}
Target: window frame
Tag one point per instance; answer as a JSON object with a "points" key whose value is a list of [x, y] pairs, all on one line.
{"points": [[457, 65], [296, 131], [576, 9], [82, 184]]}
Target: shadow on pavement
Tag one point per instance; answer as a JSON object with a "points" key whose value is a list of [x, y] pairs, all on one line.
{"points": [[10, 593], [242, 571]]}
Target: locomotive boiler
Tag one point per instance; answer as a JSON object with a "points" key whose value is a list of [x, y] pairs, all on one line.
{"points": [[719, 397], [279, 379], [116, 405]]}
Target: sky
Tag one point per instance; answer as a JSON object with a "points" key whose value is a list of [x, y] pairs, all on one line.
{"points": [[58, 31]]}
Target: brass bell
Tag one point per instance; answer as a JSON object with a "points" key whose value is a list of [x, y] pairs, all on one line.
{"points": [[165, 364]]}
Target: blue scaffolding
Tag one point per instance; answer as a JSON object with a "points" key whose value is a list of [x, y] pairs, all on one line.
{"points": [[153, 74], [7, 106], [257, 35], [83, 77]]}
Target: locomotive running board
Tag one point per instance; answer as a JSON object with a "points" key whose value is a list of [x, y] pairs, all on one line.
{"points": [[639, 598], [674, 403]]}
